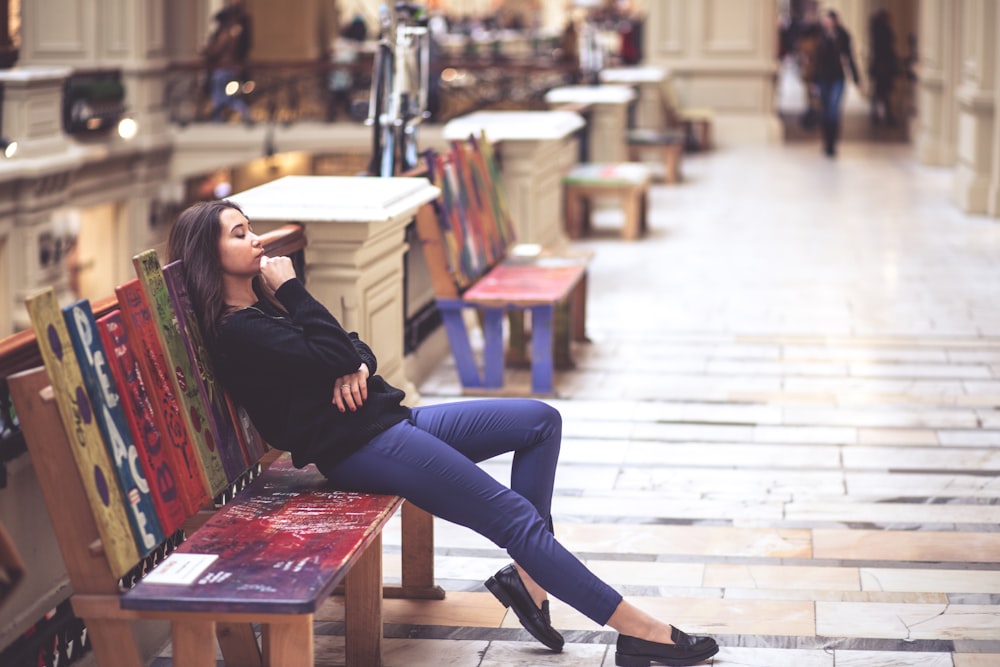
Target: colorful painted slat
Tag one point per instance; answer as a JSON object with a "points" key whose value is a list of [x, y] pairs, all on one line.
{"points": [[141, 328], [150, 438], [231, 447], [147, 268], [89, 453], [106, 402]]}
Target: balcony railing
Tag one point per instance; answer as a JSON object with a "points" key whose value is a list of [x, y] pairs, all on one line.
{"points": [[295, 91]]}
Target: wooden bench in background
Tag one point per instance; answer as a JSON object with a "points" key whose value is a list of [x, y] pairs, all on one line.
{"points": [[474, 262], [282, 541], [627, 182]]}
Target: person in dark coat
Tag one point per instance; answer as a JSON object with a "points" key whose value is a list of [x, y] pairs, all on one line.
{"points": [[883, 67], [226, 54], [833, 53]]}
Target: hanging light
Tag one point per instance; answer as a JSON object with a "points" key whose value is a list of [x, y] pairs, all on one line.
{"points": [[8, 147], [127, 128]]}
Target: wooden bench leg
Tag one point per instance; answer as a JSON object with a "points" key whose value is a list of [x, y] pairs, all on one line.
{"points": [[458, 339], [492, 348], [363, 608], [239, 644], [541, 349], [418, 557], [562, 334], [114, 642], [289, 643], [644, 211], [517, 340], [630, 203], [578, 308], [672, 162], [193, 641], [575, 213]]}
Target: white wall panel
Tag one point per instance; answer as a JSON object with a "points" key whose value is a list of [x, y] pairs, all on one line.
{"points": [[731, 27]]}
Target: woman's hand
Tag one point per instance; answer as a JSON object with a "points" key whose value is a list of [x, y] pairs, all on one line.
{"points": [[351, 391], [275, 271]]}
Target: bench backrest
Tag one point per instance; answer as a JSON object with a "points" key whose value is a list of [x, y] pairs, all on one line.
{"points": [[148, 438], [471, 230]]}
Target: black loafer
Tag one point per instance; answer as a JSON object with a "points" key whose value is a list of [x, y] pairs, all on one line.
{"points": [[506, 586], [686, 650]]}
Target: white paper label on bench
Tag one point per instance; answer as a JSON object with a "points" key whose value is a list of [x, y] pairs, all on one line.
{"points": [[180, 569]]}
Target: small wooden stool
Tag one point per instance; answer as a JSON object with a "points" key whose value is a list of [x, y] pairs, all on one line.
{"points": [[669, 143], [628, 181]]}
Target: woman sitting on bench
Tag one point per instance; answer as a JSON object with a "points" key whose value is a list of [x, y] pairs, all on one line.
{"points": [[310, 388]]}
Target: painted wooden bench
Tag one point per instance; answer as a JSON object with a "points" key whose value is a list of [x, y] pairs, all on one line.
{"points": [[668, 142], [142, 540], [474, 262], [628, 182]]}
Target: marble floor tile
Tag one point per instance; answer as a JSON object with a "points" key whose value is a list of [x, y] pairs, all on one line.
{"points": [[969, 438], [772, 657], [692, 481], [976, 659], [896, 515], [896, 436], [885, 545], [733, 455], [819, 435], [891, 659], [432, 652], [687, 540], [779, 577], [910, 458], [523, 654], [942, 581], [907, 621]]}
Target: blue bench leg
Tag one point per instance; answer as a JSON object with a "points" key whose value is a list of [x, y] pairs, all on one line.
{"points": [[541, 349], [458, 338], [493, 348]]}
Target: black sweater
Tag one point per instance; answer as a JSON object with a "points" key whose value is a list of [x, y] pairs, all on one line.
{"points": [[831, 51], [283, 367]]}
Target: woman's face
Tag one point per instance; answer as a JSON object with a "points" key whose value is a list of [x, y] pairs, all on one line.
{"points": [[239, 248]]}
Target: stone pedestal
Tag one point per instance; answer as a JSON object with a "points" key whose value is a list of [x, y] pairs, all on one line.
{"points": [[354, 262], [648, 83], [32, 110], [536, 148], [608, 117]]}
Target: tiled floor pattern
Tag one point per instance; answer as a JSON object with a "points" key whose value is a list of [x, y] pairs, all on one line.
{"points": [[785, 431]]}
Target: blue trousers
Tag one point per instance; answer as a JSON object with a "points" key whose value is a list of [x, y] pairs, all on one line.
{"points": [[221, 77], [830, 93], [431, 461]]}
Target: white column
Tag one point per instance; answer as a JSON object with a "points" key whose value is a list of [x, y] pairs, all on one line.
{"points": [[648, 82], [722, 55], [608, 106], [354, 263], [976, 105], [993, 200], [937, 78]]}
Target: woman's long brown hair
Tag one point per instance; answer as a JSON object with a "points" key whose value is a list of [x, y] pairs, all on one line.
{"points": [[194, 239]]}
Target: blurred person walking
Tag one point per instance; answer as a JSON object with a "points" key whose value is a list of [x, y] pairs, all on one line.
{"points": [[226, 54], [833, 52], [883, 67]]}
